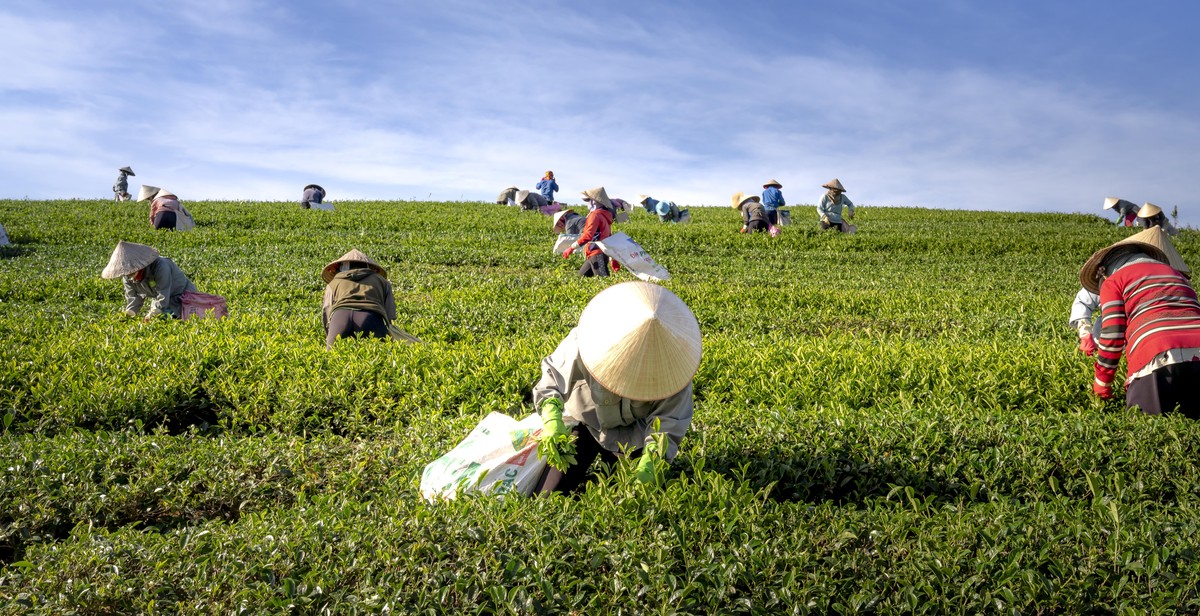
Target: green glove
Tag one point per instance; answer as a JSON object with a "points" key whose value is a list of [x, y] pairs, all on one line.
{"points": [[651, 466], [552, 418]]}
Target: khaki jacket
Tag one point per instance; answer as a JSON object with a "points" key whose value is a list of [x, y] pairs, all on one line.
{"points": [[358, 289]]}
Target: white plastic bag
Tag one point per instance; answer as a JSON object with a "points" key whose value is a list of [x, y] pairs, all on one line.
{"points": [[632, 257], [785, 218], [499, 456], [565, 241], [327, 207]]}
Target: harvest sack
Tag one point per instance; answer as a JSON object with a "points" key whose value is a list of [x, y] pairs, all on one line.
{"points": [[565, 241], [4, 237], [550, 209], [498, 456], [328, 207], [621, 216], [684, 216], [632, 257], [849, 228], [185, 222], [396, 333], [785, 218], [197, 305]]}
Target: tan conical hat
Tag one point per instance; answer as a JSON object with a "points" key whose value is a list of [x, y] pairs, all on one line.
{"points": [[163, 192], [1148, 210], [316, 186], [354, 256], [128, 258], [740, 197], [512, 188], [1110, 203], [127, 170], [1153, 240], [599, 195], [521, 195], [147, 192], [639, 340], [558, 222], [774, 183], [642, 199], [834, 184]]}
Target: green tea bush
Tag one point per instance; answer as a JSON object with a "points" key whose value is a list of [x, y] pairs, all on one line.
{"points": [[891, 422]]}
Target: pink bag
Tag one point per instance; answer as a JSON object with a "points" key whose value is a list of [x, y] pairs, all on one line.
{"points": [[198, 304]]}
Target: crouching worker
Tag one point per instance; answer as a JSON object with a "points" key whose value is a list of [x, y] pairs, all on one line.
{"points": [[596, 228], [358, 298], [166, 212], [530, 201], [623, 379], [148, 276], [754, 215], [1149, 312], [1082, 320], [567, 221], [313, 196], [830, 207]]}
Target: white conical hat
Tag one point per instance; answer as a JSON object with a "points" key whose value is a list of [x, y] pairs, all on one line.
{"points": [[639, 340], [599, 195], [356, 256], [558, 222], [128, 258], [1148, 210], [147, 192], [834, 184], [774, 183], [1153, 241], [1110, 203]]}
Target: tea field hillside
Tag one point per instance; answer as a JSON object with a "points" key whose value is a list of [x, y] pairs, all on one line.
{"points": [[891, 422]]}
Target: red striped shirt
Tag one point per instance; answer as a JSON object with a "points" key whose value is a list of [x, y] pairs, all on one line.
{"points": [[1146, 309]]}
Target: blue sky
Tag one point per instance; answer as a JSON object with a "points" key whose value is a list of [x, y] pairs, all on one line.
{"points": [[954, 104]]}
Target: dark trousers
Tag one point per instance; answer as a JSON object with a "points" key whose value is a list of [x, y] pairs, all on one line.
{"points": [[839, 226], [595, 265], [773, 217], [164, 220], [1161, 391], [347, 323], [756, 225], [586, 450]]}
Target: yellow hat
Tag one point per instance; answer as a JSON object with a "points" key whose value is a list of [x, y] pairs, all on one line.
{"points": [[639, 340], [1153, 241]]}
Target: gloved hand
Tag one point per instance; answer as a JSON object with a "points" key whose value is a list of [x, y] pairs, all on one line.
{"points": [[1104, 392], [1087, 345], [130, 313], [743, 229], [650, 466], [825, 219], [567, 253], [552, 418], [616, 265]]}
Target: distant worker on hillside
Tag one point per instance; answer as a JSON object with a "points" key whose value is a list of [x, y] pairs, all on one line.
{"points": [[622, 379], [1151, 215], [830, 208], [3, 237], [358, 298], [547, 186], [148, 276], [530, 201], [121, 186], [1149, 311], [313, 197], [772, 200], [567, 221], [667, 211], [508, 196], [1126, 211], [1082, 320], [754, 215], [166, 212], [596, 228]]}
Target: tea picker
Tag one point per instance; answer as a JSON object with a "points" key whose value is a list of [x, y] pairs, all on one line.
{"points": [[358, 300], [1149, 313], [313, 198], [620, 384], [667, 210], [148, 276], [1126, 211], [547, 187], [1082, 320], [166, 212], [121, 186], [829, 209], [597, 227], [772, 200], [754, 215], [1151, 215], [507, 196]]}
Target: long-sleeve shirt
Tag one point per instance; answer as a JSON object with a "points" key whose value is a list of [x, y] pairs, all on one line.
{"points": [[360, 288], [1123, 209], [772, 199], [650, 205], [1085, 305], [1158, 220], [574, 224], [831, 210], [1147, 309], [507, 195], [547, 188], [752, 211], [615, 422], [596, 229], [164, 285], [121, 186], [312, 195]]}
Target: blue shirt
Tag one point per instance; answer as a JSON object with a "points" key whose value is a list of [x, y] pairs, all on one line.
{"points": [[547, 188], [772, 199]]}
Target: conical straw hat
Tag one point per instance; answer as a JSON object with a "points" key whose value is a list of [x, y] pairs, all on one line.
{"points": [[599, 195], [834, 184], [521, 195], [558, 222], [774, 183], [642, 199], [1153, 240], [128, 258], [127, 170], [163, 192], [147, 192], [316, 186], [355, 256], [1110, 203], [639, 340], [1148, 210], [737, 199]]}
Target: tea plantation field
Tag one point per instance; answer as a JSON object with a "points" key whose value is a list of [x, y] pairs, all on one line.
{"points": [[891, 422]]}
